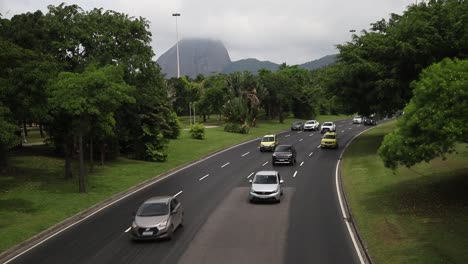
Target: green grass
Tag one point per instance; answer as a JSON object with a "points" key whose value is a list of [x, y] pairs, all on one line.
{"points": [[416, 215], [34, 195]]}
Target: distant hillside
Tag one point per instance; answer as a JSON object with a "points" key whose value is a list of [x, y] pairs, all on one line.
{"points": [[197, 56], [322, 62], [251, 65], [208, 57]]}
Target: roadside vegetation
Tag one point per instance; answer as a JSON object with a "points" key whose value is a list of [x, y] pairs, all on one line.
{"points": [[410, 215], [34, 195]]}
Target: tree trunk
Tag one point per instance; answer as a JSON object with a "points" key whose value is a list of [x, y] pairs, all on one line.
{"points": [[91, 161], [281, 117], [25, 128], [204, 118], [68, 159], [103, 153], [41, 130], [81, 177]]}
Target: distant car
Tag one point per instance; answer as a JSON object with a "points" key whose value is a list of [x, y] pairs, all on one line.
{"points": [[157, 217], [268, 143], [284, 154], [329, 140], [266, 185], [357, 120], [328, 127], [298, 125], [369, 121], [311, 125]]}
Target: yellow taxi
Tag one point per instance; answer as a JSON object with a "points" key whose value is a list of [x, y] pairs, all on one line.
{"points": [[329, 140], [268, 143]]}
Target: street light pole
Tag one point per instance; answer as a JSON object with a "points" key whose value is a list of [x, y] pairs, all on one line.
{"points": [[177, 43]]}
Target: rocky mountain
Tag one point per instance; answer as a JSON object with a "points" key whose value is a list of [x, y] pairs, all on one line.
{"points": [[208, 57], [251, 65], [196, 56], [322, 62]]}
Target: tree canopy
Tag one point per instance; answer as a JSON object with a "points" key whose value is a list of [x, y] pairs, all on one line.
{"points": [[435, 118]]}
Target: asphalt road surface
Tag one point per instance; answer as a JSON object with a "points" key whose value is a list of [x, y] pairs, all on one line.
{"points": [[221, 226]]}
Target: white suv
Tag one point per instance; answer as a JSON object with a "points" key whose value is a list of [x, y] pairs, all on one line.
{"points": [[357, 120], [328, 127], [311, 125]]}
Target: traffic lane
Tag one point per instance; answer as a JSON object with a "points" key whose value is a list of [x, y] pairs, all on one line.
{"points": [[107, 228], [317, 233], [242, 232]]}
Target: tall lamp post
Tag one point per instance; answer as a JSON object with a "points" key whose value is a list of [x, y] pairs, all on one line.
{"points": [[177, 43]]}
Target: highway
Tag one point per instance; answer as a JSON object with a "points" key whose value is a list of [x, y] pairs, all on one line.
{"points": [[221, 226]]}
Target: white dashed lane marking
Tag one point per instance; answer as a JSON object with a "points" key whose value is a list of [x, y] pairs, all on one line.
{"points": [[203, 177], [318, 146], [250, 175], [302, 163], [287, 136], [312, 153], [245, 154], [301, 139], [128, 229], [311, 135], [295, 173], [225, 164], [178, 193], [264, 163]]}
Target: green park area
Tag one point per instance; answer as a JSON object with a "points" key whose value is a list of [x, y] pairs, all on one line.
{"points": [[411, 215]]}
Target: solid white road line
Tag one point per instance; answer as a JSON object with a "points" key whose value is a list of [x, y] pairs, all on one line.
{"points": [[312, 153], [245, 154], [265, 163], [128, 229], [301, 139], [287, 136], [225, 164], [295, 173], [250, 175], [302, 163], [204, 177], [348, 225], [178, 193]]}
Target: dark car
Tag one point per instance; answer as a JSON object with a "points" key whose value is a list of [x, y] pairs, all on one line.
{"points": [[369, 121], [284, 154], [298, 125]]}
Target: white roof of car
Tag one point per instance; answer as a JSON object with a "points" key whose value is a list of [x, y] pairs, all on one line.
{"points": [[270, 172]]}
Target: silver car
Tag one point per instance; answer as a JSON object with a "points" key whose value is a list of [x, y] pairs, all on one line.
{"points": [[266, 185], [157, 217]]}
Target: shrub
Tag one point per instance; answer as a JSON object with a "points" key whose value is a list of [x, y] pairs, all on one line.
{"points": [[237, 128], [197, 131]]}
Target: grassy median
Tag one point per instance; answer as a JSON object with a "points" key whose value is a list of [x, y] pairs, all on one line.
{"points": [[416, 215], [34, 195]]}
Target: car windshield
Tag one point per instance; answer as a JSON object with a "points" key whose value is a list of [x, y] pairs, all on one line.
{"points": [[329, 136], [153, 209], [297, 123], [310, 122], [327, 124], [357, 117], [268, 139], [283, 148], [266, 179]]}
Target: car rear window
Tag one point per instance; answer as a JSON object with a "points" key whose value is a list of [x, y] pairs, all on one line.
{"points": [[268, 139], [327, 124], [329, 136]]}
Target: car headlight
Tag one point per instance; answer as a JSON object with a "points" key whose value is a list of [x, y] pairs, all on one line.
{"points": [[289, 155], [162, 225]]}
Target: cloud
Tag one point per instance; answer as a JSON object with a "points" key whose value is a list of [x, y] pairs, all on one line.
{"points": [[292, 31]]}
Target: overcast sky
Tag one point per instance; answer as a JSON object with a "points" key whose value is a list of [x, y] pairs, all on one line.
{"points": [[291, 31]]}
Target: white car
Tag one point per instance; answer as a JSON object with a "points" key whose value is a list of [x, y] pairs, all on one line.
{"points": [[328, 127], [266, 185], [357, 120], [311, 125]]}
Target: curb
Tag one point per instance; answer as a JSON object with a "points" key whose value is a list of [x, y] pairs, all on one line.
{"points": [[347, 213]]}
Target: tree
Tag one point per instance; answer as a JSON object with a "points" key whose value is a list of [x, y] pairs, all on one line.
{"points": [[434, 120], [81, 99], [244, 85], [8, 135], [379, 65]]}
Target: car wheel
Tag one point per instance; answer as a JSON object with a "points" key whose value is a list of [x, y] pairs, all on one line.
{"points": [[182, 221]]}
